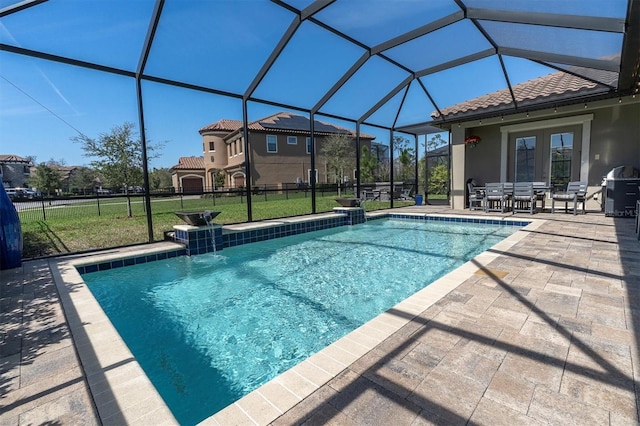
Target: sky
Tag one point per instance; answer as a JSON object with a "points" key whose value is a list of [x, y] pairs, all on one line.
{"points": [[222, 45]]}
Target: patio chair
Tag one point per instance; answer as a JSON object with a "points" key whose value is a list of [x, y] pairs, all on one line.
{"points": [[406, 194], [370, 195], [576, 192], [524, 198], [496, 199], [476, 197], [540, 189]]}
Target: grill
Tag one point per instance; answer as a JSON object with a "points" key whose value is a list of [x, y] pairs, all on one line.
{"points": [[621, 187]]}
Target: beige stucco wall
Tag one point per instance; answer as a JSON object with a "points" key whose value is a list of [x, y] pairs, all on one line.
{"points": [[291, 161], [215, 159]]}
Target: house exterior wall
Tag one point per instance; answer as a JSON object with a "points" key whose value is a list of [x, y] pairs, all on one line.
{"points": [[612, 139], [615, 139], [289, 164], [15, 174], [215, 155]]}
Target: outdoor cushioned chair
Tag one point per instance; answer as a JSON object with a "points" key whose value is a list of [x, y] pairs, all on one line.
{"points": [[576, 192], [476, 197], [524, 197], [496, 199]]}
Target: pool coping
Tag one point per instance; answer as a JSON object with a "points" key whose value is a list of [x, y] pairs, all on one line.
{"points": [[122, 391]]}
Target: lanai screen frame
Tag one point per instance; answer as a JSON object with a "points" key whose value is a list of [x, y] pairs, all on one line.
{"points": [[628, 81]]}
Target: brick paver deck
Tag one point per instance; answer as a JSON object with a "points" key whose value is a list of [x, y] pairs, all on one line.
{"points": [[546, 333]]}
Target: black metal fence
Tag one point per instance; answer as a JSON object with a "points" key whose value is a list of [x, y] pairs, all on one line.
{"points": [[59, 207]]}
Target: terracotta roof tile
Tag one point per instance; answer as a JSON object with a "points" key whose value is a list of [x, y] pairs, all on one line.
{"points": [[224, 125], [189, 163], [282, 122], [557, 85]]}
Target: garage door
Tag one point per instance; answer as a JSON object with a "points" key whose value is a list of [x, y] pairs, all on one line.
{"points": [[192, 185]]}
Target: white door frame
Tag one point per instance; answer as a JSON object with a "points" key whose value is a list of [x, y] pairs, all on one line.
{"points": [[584, 120]]}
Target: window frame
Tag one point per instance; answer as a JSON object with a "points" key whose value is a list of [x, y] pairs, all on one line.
{"points": [[290, 138], [308, 145], [275, 142]]}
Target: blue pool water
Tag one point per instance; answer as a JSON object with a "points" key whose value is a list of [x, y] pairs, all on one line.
{"points": [[209, 329]]}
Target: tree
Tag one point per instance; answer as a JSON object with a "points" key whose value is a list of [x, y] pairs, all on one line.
{"points": [[118, 156], [160, 179], [435, 142], [432, 165], [220, 178], [46, 179], [339, 156], [368, 165], [82, 179], [405, 158], [438, 178]]}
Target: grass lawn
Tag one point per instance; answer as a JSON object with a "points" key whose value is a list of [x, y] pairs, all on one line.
{"points": [[77, 227]]}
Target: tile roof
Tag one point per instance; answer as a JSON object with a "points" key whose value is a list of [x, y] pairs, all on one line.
{"points": [[189, 163], [283, 122], [555, 86], [10, 158], [223, 125]]}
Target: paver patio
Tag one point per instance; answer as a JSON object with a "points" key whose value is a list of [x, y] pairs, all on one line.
{"points": [[546, 333]]}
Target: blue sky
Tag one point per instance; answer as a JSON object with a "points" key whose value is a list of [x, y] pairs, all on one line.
{"points": [[222, 45]]}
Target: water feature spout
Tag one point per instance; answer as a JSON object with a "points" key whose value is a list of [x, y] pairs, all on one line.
{"points": [[348, 202], [197, 218]]}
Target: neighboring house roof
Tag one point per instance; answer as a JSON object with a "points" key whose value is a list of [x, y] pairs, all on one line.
{"points": [[189, 163], [10, 158], [224, 125], [65, 171], [556, 86], [283, 122]]}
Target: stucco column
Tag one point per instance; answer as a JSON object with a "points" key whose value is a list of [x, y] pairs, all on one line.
{"points": [[458, 178]]}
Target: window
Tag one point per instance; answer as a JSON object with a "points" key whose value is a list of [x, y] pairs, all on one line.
{"points": [[212, 159], [240, 145], [292, 140], [561, 153], [525, 159], [308, 145], [212, 146], [26, 170], [272, 143]]}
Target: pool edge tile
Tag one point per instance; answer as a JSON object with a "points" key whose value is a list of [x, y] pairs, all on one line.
{"points": [[79, 305]]}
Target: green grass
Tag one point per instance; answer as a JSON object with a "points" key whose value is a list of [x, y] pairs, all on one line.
{"points": [[77, 227]]}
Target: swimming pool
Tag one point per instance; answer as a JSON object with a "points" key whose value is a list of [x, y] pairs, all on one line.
{"points": [[231, 316]]}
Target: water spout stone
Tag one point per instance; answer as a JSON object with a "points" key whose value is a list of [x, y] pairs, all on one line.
{"points": [[197, 218]]}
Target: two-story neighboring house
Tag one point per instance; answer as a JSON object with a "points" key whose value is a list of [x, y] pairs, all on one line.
{"points": [[280, 150], [14, 170]]}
